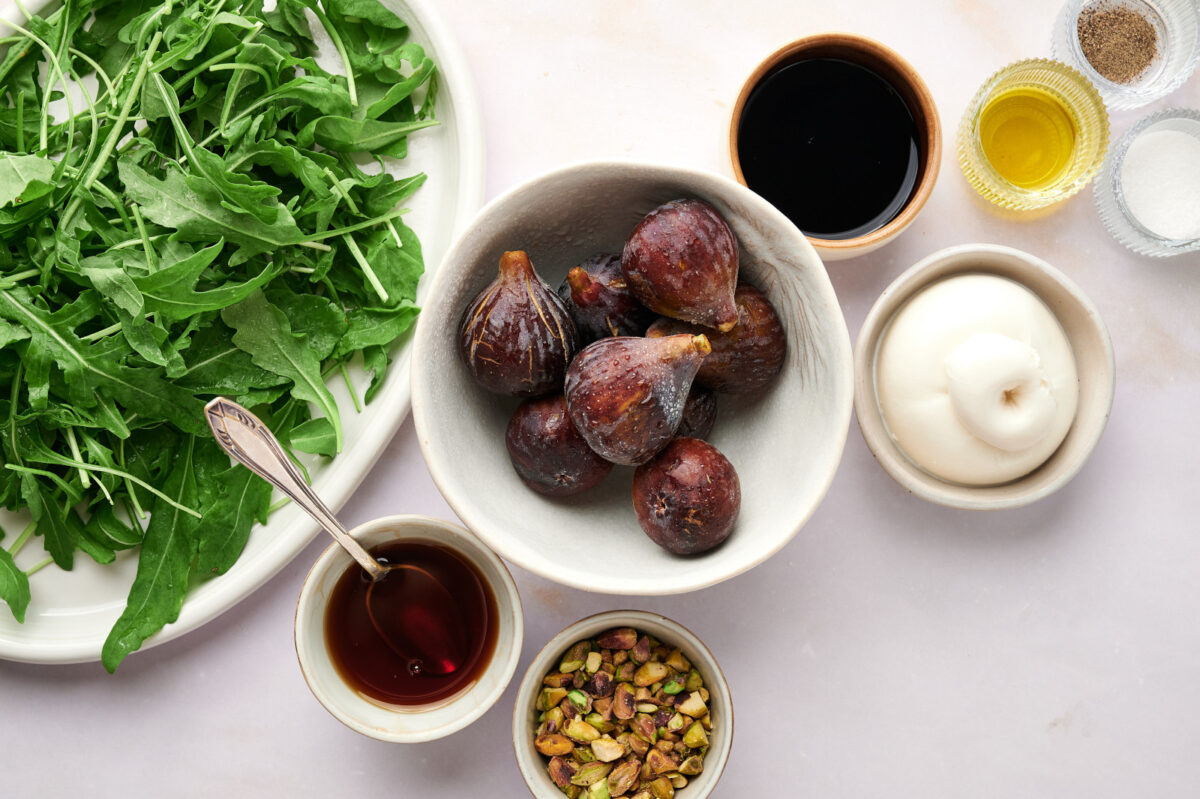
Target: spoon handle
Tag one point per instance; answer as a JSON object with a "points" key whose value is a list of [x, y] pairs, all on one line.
{"points": [[249, 442]]}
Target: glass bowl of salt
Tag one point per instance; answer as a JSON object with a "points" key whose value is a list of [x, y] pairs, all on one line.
{"points": [[1148, 192]]}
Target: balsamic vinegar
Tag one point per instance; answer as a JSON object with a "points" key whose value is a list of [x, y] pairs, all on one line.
{"points": [[832, 145]]}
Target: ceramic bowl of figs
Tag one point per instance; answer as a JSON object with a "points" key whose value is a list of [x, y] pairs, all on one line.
{"points": [[631, 378]]}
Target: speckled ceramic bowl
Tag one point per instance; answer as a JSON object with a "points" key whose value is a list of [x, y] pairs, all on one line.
{"points": [[418, 722], [1093, 359], [720, 703], [785, 443]]}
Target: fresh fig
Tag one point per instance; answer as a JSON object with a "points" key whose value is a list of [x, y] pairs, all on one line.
{"points": [[688, 497], [699, 413], [599, 300], [626, 395], [682, 261], [516, 336], [745, 359], [547, 451]]}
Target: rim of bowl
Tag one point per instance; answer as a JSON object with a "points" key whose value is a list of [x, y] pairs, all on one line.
{"points": [[451, 536], [841, 379], [915, 83], [986, 260], [603, 621]]}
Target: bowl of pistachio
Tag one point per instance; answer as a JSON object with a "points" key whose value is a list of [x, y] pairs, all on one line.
{"points": [[623, 704]]}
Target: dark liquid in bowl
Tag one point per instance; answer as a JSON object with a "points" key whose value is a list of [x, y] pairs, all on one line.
{"points": [[832, 145], [365, 661]]}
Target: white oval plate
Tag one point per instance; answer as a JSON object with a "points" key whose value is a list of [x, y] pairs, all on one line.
{"points": [[71, 612]]}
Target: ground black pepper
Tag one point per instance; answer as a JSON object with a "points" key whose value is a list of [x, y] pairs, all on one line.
{"points": [[1117, 41]]}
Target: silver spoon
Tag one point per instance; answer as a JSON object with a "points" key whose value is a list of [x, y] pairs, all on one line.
{"points": [[403, 601]]}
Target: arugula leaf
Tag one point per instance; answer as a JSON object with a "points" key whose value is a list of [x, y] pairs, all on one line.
{"points": [[24, 178], [105, 527], [171, 293], [232, 498], [51, 522], [264, 333], [14, 586], [376, 360], [320, 321], [85, 375], [316, 436], [193, 207], [370, 327], [360, 135], [109, 277], [156, 596], [217, 366]]}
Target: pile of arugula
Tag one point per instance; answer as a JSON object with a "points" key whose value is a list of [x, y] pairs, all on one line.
{"points": [[183, 214]]}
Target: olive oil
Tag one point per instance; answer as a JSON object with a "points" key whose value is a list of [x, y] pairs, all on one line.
{"points": [[1028, 136], [1034, 134]]}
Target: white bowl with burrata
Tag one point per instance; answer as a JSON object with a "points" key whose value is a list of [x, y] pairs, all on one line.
{"points": [[984, 378]]}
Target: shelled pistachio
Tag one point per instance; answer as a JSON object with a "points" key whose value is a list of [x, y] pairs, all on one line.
{"points": [[623, 716]]}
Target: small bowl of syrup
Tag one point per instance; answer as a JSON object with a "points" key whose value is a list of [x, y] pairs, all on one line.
{"points": [[842, 135], [376, 691]]}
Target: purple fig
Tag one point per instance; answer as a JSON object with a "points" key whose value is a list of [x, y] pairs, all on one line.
{"points": [[688, 497], [699, 414], [547, 451], [516, 336], [682, 261], [746, 358], [626, 395], [596, 294]]}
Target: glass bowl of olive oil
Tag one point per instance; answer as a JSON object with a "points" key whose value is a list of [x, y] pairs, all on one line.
{"points": [[1035, 134]]}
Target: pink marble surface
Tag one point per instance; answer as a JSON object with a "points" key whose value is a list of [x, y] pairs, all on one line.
{"points": [[894, 648]]}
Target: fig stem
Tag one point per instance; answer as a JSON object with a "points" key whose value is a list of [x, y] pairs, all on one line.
{"points": [[515, 263], [579, 281]]}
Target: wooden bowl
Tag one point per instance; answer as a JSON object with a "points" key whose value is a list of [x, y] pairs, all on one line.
{"points": [[888, 64]]}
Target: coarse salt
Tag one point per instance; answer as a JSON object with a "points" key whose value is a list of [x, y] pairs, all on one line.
{"points": [[1160, 180]]}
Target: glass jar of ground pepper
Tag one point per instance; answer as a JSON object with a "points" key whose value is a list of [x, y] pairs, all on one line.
{"points": [[1134, 51]]}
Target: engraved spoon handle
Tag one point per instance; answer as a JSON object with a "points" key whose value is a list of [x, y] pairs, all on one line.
{"points": [[249, 442]]}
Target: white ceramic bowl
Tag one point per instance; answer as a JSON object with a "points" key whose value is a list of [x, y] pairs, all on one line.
{"points": [[418, 723], [671, 633], [1093, 358], [785, 444]]}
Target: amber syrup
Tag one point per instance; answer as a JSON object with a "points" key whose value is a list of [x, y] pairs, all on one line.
{"points": [[365, 661]]}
